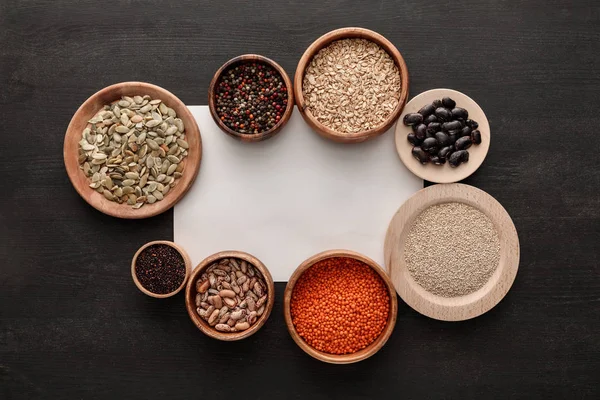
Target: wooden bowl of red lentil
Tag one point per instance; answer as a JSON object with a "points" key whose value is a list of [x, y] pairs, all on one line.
{"points": [[337, 280], [140, 281], [191, 292], [302, 101], [286, 97]]}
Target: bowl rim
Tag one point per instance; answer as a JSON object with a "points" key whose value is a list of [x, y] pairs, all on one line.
{"points": [[191, 163], [343, 358], [325, 40], [180, 250], [250, 57], [190, 294]]}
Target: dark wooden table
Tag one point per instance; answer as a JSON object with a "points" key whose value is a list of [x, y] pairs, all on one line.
{"points": [[73, 325]]}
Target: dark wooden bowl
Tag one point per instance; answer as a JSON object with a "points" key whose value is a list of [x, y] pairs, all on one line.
{"points": [[186, 259], [344, 358], [190, 296], [324, 41], [90, 108], [244, 137]]}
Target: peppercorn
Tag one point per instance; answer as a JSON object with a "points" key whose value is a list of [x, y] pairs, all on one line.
{"points": [[251, 97], [340, 305]]}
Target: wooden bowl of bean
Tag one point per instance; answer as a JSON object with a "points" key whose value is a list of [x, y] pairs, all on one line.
{"points": [[161, 268], [230, 295], [115, 150], [351, 85], [251, 98], [340, 306]]}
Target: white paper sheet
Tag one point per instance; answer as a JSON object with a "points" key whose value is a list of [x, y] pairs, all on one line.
{"points": [[290, 197]]}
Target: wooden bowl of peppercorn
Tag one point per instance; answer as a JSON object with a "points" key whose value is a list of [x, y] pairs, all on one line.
{"points": [[194, 290], [251, 98], [343, 87], [158, 266], [327, 303]]}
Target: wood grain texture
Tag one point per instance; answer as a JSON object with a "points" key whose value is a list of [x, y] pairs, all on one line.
{"points": [[73, 324], [324, 41], [90, 108], [443, 173], [259, 136], [462, 307], [360, 355], [186, 260], [190, 296]]}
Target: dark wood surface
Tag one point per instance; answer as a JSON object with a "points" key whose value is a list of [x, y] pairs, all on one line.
{"points": [[72, 323]]}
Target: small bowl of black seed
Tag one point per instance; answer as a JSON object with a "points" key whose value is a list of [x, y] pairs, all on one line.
{"points": [[251, 98], [443, 136], [160, 268]]}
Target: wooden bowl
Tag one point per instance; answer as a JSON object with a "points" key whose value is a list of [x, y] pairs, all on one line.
{"points": [[443, 173], [186, 259], [335, 358], [324, 41], [244, 137], [461, 307], [80, 121], [190, 296]]}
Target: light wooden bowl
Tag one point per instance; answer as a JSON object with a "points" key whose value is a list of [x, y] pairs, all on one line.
{"points": [[244, 137], [443, 173], [190, 296], [94, 104], [461, 307], [186, 259], [335, 358], [324, 41]]}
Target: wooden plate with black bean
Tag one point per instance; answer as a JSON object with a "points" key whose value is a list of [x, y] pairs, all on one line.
{"points": [[442, 136]]}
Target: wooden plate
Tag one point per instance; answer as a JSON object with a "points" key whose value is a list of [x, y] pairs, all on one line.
{"points": [[89, 108], [462, 307], [443, 173]]}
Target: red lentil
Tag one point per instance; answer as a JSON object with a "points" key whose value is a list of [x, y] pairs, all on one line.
{"points": [[340, 305]]}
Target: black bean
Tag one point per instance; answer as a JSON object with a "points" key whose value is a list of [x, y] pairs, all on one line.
{"points": [[438, 161], [448, 102], [466, 131], [460, 113], [420, 127], [429, 143], [420, 155], [476, 137], [453, 137], [445, 152], [463, 143], [442, 138], [434, 127], [458, 157], [437, 103], [412, 119], [430, 118], [427, 110], [420, 134], [472, 124], [413, 139], [452, 125], [443, 114]]}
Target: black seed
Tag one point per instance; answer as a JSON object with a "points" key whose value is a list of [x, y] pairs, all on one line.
{"points": [[437, 103], [460, 113], [472, 124], [445, 152], [434, 127], [442, 138], [466, 131], [453, 137], [412, 119], [476, 137], [420, 155], [458, 157], [427, 110], [452, 125], [463, 143], [413, 139], [438, 161], [430, 143], [448, 102], [443, 114], [430, 118]]}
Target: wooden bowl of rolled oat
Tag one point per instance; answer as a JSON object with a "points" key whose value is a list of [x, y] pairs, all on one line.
{"points": [[230, 295], [351, 85]]}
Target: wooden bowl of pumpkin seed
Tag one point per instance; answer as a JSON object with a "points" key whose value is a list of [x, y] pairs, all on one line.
{"points": [[132, 150]]}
